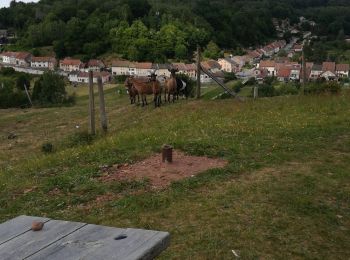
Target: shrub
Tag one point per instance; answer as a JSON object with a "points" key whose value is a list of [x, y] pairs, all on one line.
{"points": [[120, 79], [80, 138], [191, 84], [286, 89], [11, 96], [229, 76], [47, 148], [266, 90], [7, 71], [322, 87]]}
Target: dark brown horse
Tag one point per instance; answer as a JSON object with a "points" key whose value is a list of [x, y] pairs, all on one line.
{"points": [[133, 93], [171, 86]]}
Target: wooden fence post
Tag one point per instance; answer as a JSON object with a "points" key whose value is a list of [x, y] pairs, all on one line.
{"points": [[198, 94], [28, 96], [103, 116], [92, 126], [256, 92]]}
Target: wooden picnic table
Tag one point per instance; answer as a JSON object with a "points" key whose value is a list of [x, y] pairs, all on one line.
{"points": [[73, 240]]}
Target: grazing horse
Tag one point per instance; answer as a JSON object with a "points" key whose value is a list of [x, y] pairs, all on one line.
{"points": [[157, 90], [133, 93], [171, 85]]}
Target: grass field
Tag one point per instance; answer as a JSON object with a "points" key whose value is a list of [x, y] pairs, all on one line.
{"points": [[284, 194]]}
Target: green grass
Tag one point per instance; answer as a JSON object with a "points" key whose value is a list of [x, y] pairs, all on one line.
{"points": [[285, 192]]}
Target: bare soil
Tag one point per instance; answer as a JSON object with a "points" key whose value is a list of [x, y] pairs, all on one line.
{"points": [[162, 174]]}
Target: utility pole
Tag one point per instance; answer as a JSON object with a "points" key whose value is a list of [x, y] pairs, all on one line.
{"points": [[103, 116], [198, 95], [92, 126], [304, 71]]}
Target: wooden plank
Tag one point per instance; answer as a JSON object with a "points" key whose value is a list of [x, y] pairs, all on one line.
{"points": [[81, 244], [97, 242], [17, 226], [151, 248], [31, 242]]}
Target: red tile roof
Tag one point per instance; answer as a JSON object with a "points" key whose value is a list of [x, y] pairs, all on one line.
{"points": [[121, 63], [328, 66], [267, 63], [284, 72], [95, 63], [342, 67], [17, 55], [44, 59], [143, 65], [72, 62]]}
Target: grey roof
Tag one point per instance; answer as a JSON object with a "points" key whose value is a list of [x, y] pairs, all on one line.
{"points": [[161, 66]]}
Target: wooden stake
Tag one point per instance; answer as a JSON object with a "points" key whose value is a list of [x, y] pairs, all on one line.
{"points": [[30, 101], [198, 94], [304, 72], [256, 92], [91, 104], [103, 116]]}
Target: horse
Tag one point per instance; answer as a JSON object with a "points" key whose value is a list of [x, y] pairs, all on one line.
{"points": [[182, 88], [157, 90], [145, 88], [171, 85], [132, 91]]}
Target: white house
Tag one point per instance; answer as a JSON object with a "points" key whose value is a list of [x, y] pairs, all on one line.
{"points": [[269, 65], [120, 67], [69, 65], [342, 70], [83, 77], [16, 58], [229, 65], [43, 62], [316, 71], [95, 65]]}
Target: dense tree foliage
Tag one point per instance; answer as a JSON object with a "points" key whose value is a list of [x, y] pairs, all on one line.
{"points": [[160, 29], [50, 89]]}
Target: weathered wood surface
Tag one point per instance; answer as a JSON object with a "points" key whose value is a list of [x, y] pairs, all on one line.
{"points": [[72, 240]]}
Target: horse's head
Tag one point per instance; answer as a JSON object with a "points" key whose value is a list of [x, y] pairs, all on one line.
{"points": [[153, 76], [128, 82], [173, 71]]}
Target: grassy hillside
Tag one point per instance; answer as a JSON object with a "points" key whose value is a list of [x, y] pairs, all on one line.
{"points": [[285, 192]]}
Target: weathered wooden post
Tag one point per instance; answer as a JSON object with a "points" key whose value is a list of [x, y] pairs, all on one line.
{"points": [[256, 92], [92, 126], [103, 116], [198, 94], [167, 153], [28, 96]]}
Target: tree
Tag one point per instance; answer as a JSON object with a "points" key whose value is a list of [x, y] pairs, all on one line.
{"points": [[49, 89], [212, 51], [23, 80]]}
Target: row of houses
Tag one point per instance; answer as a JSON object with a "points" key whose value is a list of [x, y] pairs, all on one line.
{"points": [[234, 64], [286, 71]]}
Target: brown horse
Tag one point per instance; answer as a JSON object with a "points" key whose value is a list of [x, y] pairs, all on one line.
{"points": [[133, 93], [145, 88], [171, 85]]}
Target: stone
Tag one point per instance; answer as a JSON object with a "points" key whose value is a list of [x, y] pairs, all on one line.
{"points": [[37, 226]]}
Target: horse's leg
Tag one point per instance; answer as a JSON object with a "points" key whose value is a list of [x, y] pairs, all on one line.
{"points": [[143, 100]]}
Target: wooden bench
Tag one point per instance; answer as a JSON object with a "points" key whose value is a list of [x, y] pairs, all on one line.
{"points": [[73, 240]]}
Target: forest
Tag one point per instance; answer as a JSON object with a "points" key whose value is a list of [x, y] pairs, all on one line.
{"points": [[159, 30]]}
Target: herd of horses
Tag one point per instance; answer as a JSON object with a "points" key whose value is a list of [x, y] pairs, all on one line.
{"points": [[172, 88]]}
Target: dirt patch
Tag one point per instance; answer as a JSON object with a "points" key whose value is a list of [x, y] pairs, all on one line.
{"points": [[161, 174]]}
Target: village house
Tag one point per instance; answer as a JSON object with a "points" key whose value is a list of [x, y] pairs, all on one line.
{"points": [[16, 58], [212, 67], [141, 69], [120, 67], [328, 71], [316, 71], [191, 70], [269, 65], [162, 70], [229, 65], [181, 67], [69, 65], [260, 74], [342, 70], [254, 56], [297, 48], [43, 62], [83, 77], [283, 74], [95, 65]]}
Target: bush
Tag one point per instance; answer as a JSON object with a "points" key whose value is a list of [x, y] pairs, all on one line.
{"points": [[229, 76], [286, 89], [7, 71], [11, 96], [47, 148], [120, 79], [266, 90], [238, 86], [80, 138], [331, 87]]}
